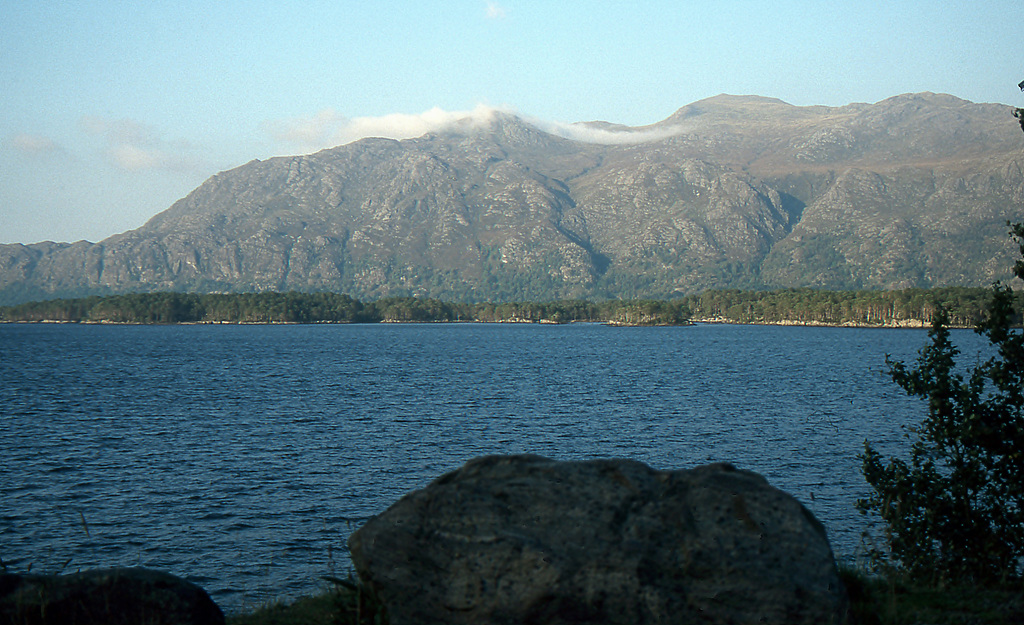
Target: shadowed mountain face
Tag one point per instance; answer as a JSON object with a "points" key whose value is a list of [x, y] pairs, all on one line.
{"points": [[728, 192]]}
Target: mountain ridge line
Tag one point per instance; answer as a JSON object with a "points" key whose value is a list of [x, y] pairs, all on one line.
{"points": [[747, 192]]}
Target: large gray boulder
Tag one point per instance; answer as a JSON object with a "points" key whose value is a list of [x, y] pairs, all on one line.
{"points": [[121, 596], [525, 539]]}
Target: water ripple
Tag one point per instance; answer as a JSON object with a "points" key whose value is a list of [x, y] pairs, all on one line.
{"points": [[242, 457]]}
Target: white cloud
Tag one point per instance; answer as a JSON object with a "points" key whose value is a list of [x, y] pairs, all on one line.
{"points": [[402, 126], [327, 128], [606, 136], [317, 131], [120, 130], [495, 11], [134, 146], [133, 157], [35, 145]]}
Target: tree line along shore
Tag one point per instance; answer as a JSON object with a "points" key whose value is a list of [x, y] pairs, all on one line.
{"points": [[964, 306]]}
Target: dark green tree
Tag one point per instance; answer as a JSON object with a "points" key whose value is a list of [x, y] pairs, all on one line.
{"points": [[955, 511]]}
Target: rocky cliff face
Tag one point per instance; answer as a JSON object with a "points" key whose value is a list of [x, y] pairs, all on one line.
{"points": [[728, 192]]}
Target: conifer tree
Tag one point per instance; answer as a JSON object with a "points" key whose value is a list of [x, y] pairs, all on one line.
{"points": [[955, 511]]}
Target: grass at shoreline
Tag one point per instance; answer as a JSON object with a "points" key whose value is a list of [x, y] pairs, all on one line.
{"points": [[346, 604], [319, 609], [892, 601], [873, 601]]}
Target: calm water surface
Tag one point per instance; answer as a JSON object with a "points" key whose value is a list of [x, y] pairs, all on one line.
{"points": [[241, 457]]}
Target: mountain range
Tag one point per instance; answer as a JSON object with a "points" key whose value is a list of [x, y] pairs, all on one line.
{"points": [[728, 192]]}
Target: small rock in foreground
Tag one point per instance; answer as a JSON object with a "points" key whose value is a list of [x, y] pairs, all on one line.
{"points": [[119, 596]]}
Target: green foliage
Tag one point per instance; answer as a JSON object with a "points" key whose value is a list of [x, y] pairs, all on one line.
{"points": [[873, 601], [891, 600], [357, 603], [955, 511], [406, 309], [170, 307], [649, 312], [965, 307], [348, 603], [293, 307]]}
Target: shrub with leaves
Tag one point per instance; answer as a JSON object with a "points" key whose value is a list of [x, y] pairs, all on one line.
{"points": [[954, 512]]}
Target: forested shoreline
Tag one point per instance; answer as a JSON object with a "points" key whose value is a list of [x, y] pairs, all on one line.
{"points": [[901, 308], [296, 307], [965, 306]]}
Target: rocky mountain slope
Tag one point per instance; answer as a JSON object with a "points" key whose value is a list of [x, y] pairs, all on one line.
{"points": [[727, 192]]}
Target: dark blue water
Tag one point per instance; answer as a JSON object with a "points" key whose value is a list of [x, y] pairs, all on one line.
{"points": [[241, 457]]}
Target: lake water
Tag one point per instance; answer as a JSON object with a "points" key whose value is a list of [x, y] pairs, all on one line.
{"points": [[241, 457]]}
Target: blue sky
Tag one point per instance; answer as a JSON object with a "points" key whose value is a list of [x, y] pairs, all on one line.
{"points": [[111, 111]]}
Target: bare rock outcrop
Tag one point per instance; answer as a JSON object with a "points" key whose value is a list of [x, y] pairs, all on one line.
{"points": [[121, 596], [525, 539]]}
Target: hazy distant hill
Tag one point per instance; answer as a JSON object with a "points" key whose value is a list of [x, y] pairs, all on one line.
{"points": [[727, 192]]}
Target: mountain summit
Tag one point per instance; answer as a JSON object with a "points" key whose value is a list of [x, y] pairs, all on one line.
{"points": [[731, 191]]}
